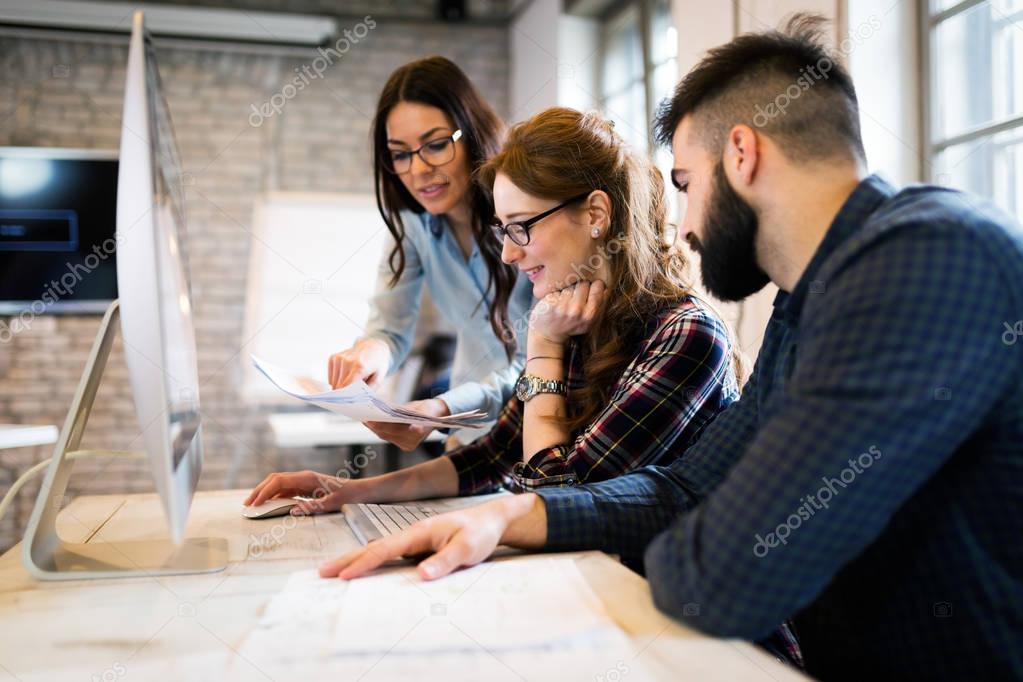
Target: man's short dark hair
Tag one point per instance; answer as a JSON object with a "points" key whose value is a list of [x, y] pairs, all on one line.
{"points": [[786, 84]]}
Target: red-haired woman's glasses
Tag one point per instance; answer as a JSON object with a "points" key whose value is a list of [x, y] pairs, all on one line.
{"points": [[518, 232]]}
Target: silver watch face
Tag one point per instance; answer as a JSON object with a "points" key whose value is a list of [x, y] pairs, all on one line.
{"points": [[523, 388]]}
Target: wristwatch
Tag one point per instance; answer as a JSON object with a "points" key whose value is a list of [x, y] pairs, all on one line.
{"points": [[529, 386]]}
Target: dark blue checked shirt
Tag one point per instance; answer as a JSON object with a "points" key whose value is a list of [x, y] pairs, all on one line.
{"points": [[868, 485]]}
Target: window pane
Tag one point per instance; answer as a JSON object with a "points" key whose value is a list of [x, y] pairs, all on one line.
{"points": [[978, 68], [1003, 5], [623, 57], [628, 111], [663, 37], [664, 80], [991, 167], [941, 5]]}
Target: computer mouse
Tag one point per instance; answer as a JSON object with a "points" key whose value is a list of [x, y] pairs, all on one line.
{"points": [[280, 506]]}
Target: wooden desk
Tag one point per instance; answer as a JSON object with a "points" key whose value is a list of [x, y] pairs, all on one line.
{"points": [[192, 627]]}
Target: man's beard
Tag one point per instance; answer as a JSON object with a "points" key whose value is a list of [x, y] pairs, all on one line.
{"points": [[728, 258]]}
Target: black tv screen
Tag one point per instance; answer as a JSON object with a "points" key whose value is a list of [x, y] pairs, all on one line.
{"points": [[57, 230]]}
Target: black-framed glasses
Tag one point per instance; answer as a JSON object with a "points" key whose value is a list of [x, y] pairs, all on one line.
{"points": [[434, 153], [518, 232]]}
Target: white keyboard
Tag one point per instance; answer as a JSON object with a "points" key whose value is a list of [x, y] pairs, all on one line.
{"points": [[391, 518], [373, 521]]}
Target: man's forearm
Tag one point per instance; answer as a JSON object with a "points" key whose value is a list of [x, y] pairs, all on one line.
{"points": [[620, 516], [527, 521]]}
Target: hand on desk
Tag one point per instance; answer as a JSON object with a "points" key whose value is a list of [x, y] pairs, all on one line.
{"points": [[456, 539], [329, 491], [409, 436]]}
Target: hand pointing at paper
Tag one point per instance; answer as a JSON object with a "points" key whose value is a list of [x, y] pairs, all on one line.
{"points": [[368, 360]]}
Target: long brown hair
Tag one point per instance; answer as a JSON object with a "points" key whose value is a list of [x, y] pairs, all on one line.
{"points": [[439, 83], [560, 153]]}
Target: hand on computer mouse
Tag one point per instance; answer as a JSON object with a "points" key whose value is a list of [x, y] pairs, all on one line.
{"points": [[326, 489]]}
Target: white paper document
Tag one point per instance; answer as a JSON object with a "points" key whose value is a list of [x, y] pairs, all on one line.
{"points": [[530, 618], [358, 401]]}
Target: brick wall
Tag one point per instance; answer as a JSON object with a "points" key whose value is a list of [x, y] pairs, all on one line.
{"points": [[66, 91]]}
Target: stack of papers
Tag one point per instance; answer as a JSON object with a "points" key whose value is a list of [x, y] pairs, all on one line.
{"points": [[358, 401], [533, 618]]}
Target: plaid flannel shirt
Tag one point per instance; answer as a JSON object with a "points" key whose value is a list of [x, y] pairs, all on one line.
{"points": [[681, 376], [869, 482]]}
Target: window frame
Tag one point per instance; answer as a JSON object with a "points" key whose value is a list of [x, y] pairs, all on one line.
{"points": [[645, 10], [933, 146]]}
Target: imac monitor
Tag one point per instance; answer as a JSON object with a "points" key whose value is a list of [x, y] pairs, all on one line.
{"points": [[156, 314]]}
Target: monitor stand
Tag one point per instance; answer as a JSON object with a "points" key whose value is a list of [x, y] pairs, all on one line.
{"points": [[47, 557]]}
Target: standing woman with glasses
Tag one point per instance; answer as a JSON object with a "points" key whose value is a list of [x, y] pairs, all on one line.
{"points": [[432, 130], [625, 365]]}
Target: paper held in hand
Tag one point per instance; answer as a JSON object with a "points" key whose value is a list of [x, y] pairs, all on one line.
{"points": [[358, 401]]}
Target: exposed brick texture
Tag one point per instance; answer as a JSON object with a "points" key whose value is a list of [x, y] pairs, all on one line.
{"points": [[67, 92]]}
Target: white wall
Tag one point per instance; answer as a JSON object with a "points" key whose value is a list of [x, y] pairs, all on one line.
{"points": [[534, 59], [578, 62], [884, 40], [761, 15], [554, 60]]}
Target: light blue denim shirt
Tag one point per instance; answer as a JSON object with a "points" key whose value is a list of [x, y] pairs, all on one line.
{"points": [[481, 375]]}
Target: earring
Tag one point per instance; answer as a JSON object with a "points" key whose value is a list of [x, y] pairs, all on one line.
{"points": [[595, 232]]}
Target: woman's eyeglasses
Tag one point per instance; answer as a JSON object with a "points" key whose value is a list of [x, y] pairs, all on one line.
{"points": [[433, 153], [518, 232]]}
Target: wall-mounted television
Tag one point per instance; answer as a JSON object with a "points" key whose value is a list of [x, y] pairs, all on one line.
{"points": [[57, 230]]}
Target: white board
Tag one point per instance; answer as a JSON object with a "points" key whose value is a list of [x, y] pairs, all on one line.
{"points": [[312, 272]]}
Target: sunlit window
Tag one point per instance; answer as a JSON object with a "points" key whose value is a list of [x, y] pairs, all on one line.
{"points": [[639, 68], [975, 88]]}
